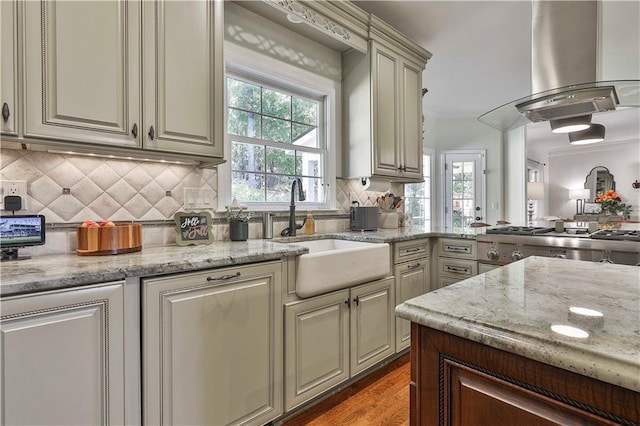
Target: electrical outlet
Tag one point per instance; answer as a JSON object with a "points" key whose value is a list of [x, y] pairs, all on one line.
{"points": [[14, 187]]}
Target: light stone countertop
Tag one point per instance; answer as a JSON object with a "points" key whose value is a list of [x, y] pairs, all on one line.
{"points": [[513, 308], [41, 273], [52, 272]]}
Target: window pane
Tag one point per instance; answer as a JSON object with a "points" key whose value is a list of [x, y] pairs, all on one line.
{"points": [[308, 164], [276, 130], [243, 123], [313, 188], [243, 95], [279, 188], [305, 111], [247, 186], [276, 104], [247, 157], [304, 135], [280, 161]]}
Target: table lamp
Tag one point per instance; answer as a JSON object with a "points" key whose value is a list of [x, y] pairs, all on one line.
{"points": [[580, 195]]}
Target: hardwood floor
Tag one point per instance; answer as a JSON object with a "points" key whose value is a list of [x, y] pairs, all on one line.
{"points": [[381, 398]]}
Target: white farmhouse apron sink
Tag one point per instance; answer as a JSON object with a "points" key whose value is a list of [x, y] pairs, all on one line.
{"points": [[336, 264]]}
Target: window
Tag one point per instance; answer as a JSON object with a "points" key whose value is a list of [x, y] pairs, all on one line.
{"points": [[276, 134], [418, 197]]}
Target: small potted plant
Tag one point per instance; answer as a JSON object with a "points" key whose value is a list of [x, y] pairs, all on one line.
{"points": [[238, 219]]}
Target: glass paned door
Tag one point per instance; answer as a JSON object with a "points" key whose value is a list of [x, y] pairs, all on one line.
{"points": [[464, 190]]}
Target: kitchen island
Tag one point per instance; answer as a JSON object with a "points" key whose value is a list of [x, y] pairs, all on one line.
{"points": [[493, 346]]}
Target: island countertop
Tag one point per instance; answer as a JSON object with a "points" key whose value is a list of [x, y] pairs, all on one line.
{"points": [[513, 308]]}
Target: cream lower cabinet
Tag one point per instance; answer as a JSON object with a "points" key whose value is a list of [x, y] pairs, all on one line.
{"points": [[457, 261], [411, 269], [412, 280], [212, 347], [333, 337], [62, 357]]}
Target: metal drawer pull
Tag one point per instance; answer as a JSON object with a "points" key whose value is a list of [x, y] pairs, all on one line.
{"points": [[5, 112], [458, 270], [457, 249], [224, 277], [413, 250], [416, 266]]}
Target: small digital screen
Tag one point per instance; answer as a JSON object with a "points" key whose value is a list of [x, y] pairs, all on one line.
{"points": [[20, 231]]}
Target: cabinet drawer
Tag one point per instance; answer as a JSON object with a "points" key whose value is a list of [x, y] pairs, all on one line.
{"points": [[457, 268], [409, 250], [458, 248]]}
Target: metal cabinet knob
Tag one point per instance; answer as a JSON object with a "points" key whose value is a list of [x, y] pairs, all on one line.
{"points": [[152, 133], [5, 112], [134, 130]]}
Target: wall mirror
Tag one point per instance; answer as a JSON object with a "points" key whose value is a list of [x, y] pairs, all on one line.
{"points": [[599, 181]]}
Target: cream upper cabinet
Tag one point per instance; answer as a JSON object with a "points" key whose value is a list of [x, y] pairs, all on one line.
{"points": [[212, 347], [62, 357], [382, 107], [9, 67], [183, 76], [82, 71], [397, 115]]}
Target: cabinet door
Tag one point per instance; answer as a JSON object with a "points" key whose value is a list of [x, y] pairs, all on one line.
{"points": [[412, 279], [213, 347], [62, 357], [81, 68], [385, 111], [316, 346], [183, 77], [9, 67], [411, 120], [372, 324]]}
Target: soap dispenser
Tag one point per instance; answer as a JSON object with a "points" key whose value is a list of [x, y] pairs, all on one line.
{"points": [[309, 224]]}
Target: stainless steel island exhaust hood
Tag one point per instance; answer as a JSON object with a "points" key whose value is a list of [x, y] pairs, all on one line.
{"points": [[564, 64]]}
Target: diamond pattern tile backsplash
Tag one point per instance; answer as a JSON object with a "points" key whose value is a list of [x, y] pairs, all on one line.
{"points": [[127, 190]]}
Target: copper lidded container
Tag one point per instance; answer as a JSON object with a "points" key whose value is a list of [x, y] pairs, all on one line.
{"points": [[103, 240]]}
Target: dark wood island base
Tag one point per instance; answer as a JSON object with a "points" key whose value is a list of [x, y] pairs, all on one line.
{"points": [[455, 381]]}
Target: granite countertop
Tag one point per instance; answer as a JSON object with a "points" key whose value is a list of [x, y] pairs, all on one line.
{"points": [[514, 307], [50, 272], [382, 235], [42, 273]]}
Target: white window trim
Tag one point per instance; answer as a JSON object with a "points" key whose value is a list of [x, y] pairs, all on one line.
{"points": [[250, 63], [443, 180]]}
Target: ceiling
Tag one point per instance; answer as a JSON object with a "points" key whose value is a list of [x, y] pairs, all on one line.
{"points": [[482, 60]]}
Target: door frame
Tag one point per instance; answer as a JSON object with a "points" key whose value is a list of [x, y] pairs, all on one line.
{"points": [[443, 181]]}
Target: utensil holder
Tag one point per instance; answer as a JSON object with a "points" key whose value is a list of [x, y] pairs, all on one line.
{"points": [[388, 220]]}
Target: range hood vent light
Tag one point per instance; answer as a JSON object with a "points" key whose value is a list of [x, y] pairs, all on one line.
{"points": [[593, 134], [572, 124]]}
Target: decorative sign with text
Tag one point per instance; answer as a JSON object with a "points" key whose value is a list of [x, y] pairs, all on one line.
{"points": [[193, 228]]}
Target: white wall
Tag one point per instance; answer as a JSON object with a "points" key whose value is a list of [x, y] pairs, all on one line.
{"points": [[568, 170], [466, 133]]}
